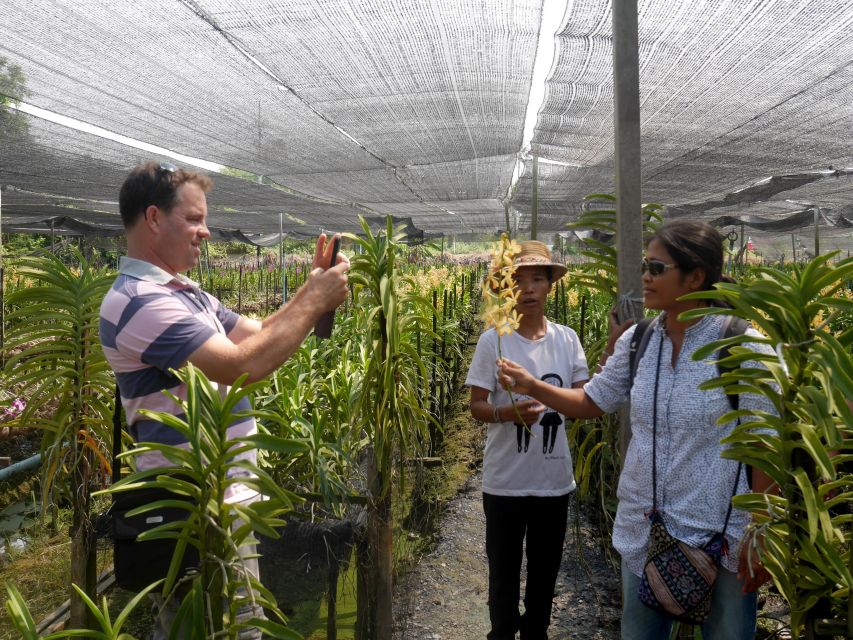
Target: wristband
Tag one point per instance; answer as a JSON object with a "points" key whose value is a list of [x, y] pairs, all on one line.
{"points": [[496, 418]]}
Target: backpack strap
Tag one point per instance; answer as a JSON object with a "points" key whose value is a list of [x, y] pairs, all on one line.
{"points": [[639, 342], [732, 326]]}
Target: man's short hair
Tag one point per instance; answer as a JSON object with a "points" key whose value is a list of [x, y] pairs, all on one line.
{"points": [[154, 183]]}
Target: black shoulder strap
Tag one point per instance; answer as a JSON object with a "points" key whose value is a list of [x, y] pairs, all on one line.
{"points": [[639, 341]]}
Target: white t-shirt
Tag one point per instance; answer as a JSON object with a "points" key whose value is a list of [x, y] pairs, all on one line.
{"points": [[518, 462]]}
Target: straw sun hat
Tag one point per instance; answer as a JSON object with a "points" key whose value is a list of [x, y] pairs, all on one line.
{"points": [[535, 254]]}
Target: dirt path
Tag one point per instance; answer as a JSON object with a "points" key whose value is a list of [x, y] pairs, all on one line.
{"points": [[444, 598]]}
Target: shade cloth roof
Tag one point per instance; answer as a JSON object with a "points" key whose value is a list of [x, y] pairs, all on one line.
{"points": [[416, 108]]}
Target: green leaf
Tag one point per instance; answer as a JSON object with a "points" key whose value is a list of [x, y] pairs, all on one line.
{"points": [[276, 444], [810, 501]]}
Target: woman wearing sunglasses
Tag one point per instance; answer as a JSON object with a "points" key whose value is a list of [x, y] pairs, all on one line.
{"points": [[677, 435]]}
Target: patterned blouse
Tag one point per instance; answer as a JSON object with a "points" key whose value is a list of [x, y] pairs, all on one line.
{"points": [[694, 484]]}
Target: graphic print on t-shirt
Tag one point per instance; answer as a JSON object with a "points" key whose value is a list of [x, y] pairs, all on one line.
{"points": [[551, 421], [522, 433]]}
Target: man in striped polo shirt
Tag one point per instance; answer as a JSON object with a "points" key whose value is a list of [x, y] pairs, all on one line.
{"points": [[154, 319]]}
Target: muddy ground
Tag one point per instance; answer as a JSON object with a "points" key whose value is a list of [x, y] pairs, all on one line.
{"points": [[444, 597]]}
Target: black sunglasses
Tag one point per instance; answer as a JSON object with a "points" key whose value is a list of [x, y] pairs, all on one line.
{"points": [[656, 267], [165, 169]]}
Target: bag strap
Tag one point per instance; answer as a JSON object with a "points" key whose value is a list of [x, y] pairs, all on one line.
{"points": [[655, 430]]}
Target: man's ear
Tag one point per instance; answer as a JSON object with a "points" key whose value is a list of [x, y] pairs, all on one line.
{"points": [[152, 216]]}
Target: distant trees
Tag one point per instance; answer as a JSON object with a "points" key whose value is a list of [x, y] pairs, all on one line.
{"points": [[13, 89]]}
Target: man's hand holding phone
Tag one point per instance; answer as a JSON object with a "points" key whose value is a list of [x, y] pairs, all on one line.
{"points": [[330, 265]]}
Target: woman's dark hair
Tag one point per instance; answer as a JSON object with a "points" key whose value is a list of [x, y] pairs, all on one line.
{"points": [[693, 244]]}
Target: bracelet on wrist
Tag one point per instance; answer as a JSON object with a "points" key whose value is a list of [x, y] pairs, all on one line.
{"points": [[496, 414]]}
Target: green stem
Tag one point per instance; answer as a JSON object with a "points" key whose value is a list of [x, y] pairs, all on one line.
{"points": [[511, 398]]}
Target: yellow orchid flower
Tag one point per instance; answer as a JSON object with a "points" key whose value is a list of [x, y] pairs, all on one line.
{"points": [[499, 294], [492, 282]]}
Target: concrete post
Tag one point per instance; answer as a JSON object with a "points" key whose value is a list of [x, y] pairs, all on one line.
{"points": [[629, 223], [626, 101]]}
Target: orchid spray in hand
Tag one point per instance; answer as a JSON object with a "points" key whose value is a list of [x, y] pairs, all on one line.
{"points": [[500, 297]]}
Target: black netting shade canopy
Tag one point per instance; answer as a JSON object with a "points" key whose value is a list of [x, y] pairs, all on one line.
{"points": [[324, 110]]}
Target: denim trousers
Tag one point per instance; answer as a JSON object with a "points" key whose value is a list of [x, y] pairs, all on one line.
{"points": [[732, 614], [510, 521]]}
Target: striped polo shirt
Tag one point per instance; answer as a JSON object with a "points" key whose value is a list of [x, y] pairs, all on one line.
{"points": [[152, 322]]}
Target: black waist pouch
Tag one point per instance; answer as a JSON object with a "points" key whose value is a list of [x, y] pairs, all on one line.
{"points": [[138, 564]]}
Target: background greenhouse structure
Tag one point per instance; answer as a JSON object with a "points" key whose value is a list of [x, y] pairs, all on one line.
{"points": [[432, 111], [455, 121]]}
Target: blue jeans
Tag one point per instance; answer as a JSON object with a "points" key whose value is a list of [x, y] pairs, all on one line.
{"points": [[732, 612]]}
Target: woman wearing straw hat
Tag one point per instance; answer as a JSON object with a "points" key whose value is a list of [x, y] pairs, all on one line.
{"points": [[526, 477]]}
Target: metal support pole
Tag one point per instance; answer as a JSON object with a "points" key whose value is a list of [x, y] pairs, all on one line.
{"points": [[742, 253], [281, 257], [629, 222], [816, 231], [2, 291], [2, 315], [534, 205]]}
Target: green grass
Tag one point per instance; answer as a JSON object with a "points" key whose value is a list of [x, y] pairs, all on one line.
{"points": [[42, 571]]}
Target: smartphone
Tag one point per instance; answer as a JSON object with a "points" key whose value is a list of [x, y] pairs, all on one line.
{"points": [[323, 327]]}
